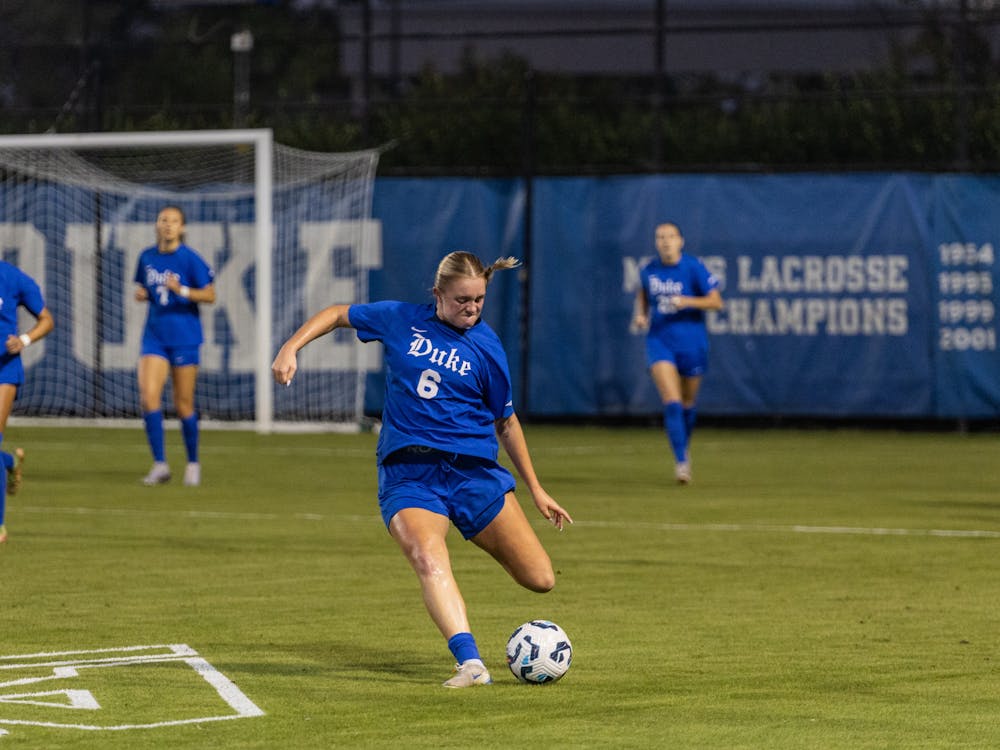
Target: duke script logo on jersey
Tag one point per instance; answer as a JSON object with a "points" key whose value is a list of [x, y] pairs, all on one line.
{"points": [[670, 287], [154, 277], [421, 346]]}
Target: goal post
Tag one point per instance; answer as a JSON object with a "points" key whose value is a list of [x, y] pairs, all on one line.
{"points": [[286, 230]]}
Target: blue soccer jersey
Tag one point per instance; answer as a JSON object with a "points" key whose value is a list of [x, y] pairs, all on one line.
{"points": [[445, 387], [173, 319], [17, 289], [680, 330]]}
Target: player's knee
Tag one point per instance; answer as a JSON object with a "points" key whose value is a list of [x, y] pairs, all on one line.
{"points": [[184, 407], [545, 585], [426, 560], [540, 580]]}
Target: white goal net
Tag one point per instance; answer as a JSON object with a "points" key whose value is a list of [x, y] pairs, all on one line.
{"points": [[287, 232]]}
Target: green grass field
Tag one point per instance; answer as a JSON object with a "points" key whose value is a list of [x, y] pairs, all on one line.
{"points": [[811, 589]]}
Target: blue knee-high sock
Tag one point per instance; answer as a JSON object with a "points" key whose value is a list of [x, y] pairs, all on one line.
{"points": [[690, 417], [673, 424], [189, 429], [463, 647], [154, 434]]}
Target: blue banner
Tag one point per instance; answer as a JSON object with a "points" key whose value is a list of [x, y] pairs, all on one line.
{"points": [[846, 295], [863, 295], [962, 256]]}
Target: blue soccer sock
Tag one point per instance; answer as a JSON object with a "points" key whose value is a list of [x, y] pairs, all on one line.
{"points": [[673, 425], [690, 417], [189, 429], [463, 647], [154, 434]]}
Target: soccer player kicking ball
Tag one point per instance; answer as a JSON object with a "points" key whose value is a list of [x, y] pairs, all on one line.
{"points": [[448, 401]]}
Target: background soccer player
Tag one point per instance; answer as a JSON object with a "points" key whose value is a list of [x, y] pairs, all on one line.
{"points": [[174, 280], [448, 400], [676, 290], [17, 289]]}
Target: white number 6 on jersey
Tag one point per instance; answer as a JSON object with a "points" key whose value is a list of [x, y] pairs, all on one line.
{"points": [[428, 385]]}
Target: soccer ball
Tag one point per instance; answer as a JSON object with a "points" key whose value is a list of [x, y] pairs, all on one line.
{"points": [[539, 651]]}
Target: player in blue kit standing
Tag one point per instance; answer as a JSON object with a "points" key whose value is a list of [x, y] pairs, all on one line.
{"points": [[174, 280], [448, 401], [17, 289], [675, 291]]}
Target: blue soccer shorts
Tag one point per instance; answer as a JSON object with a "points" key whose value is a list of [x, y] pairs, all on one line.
{"points": [[11, 370], [177, 356], [468, 490], [689, 362]]}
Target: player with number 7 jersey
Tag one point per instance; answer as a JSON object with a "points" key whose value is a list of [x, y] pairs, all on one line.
{"points": [[447, 408]]}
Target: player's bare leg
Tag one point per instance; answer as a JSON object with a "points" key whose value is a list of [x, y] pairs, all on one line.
{"points": [[513, 543], [420, 534]]}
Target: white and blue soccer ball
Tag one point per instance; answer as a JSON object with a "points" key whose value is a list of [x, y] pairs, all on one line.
{"points": [[539, 651]]}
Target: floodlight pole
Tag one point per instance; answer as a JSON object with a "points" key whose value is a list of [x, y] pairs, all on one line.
{"points": [[241, 45]]}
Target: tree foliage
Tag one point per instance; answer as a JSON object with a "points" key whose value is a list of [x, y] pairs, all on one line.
{"points": [[143, 65]]}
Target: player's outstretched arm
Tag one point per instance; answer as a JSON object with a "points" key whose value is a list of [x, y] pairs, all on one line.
{"points": [[286, 363], [511, 436]]}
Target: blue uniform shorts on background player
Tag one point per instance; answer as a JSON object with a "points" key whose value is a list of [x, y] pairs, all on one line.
{"points": [[177, 356], [689, 363], [11, 370], [468, 490]]}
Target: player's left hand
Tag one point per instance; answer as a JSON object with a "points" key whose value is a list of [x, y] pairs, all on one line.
{"points": [[14, 344], [551, 509]]}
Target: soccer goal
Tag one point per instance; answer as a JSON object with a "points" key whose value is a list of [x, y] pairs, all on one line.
{"points": [[287, 231]]}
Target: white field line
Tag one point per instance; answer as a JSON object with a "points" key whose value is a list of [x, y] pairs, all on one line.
{"points": [[70, 668], [277, 450], [795, 529], [203, 514], [755, 528]]}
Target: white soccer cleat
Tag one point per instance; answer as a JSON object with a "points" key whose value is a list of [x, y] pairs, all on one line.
{"points": [[682, 472], [159, 474], [192, 475], [469, 674]]}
